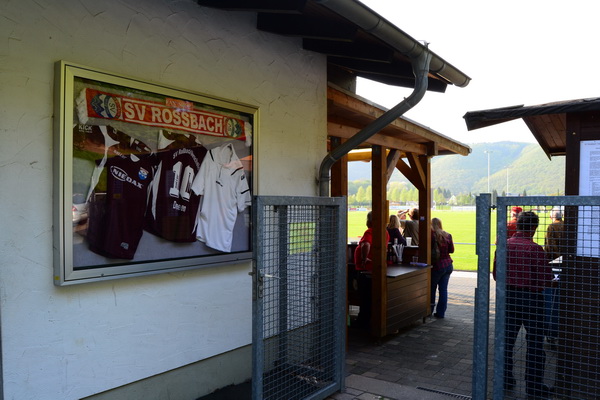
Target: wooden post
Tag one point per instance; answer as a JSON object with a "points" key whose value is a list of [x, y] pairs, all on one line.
{"points": [[425, 197], [379, 287], [339, 172], [425, 203]]}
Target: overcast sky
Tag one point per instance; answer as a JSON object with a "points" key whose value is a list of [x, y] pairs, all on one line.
{"points": [[516, 52]]}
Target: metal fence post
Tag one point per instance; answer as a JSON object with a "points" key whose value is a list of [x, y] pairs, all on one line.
{"points": [[482, 297], [500, 260]]}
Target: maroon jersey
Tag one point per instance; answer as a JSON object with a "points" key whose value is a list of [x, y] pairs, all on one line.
{"points": [[173, 206], [116, 217], [107, 142]]}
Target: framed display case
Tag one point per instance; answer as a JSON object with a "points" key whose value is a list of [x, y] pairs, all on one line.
{"points": [[147, 178]]}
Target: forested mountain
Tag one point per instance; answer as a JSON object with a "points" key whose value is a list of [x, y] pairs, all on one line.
{"points": [[522, 167]]}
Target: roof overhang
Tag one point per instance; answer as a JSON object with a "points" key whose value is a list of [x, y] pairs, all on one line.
{"points": [[348, 113], [547, 122], [351, 35]]}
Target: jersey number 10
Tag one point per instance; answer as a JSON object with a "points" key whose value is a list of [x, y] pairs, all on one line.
{"points": [[182, 183]]}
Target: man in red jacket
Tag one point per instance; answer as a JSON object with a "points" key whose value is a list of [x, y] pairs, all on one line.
{"points": [[363, 253], [363, 260], [528, 272]]}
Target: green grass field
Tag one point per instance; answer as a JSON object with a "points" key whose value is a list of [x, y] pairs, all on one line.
{"points": [[461, 224]]}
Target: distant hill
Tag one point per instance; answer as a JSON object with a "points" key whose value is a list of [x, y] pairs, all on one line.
{"points": [[524, 165]]}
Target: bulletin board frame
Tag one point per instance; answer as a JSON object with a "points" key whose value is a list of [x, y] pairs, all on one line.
{"points": [[116, 146]]}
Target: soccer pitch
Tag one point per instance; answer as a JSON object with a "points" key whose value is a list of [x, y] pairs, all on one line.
{"points": [[461, 224]]}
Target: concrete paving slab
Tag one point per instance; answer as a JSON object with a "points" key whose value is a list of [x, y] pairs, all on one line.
{"points": [[387, 390]]}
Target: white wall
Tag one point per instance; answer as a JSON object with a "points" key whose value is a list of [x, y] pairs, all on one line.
{"points": [[71, 342]]}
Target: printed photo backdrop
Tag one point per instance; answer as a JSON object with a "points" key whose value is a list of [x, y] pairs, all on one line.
{"points": [[155, 178]]}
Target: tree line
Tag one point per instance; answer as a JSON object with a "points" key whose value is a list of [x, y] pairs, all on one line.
{"points": [[360, 194]]}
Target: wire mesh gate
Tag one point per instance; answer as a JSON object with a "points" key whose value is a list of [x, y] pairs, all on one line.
{"points": [[547, 318], [298, 297]]}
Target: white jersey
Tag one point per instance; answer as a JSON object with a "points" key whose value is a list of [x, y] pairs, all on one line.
{"points": [[224, 187]]}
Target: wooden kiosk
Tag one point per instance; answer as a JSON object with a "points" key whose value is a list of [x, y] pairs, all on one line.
{"points": [[400, 295], [562, 128]]}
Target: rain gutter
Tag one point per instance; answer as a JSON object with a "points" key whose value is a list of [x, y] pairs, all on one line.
{"points": [[420, 69], [371, 22]]}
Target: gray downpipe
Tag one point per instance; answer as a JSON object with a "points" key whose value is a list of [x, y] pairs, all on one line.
{"points": [[420, 66]]}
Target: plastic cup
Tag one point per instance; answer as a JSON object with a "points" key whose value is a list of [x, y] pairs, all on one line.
{"points": [[409, 241]]}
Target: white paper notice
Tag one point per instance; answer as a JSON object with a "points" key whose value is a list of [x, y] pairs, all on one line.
{"points": [[588, 229], [589, 168]]}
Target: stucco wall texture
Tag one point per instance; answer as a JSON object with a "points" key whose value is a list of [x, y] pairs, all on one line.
{"points": [[72, 342]]}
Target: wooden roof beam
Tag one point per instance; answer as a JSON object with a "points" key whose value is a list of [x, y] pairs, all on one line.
{"points": [[391, 161], [360, 155], [345, 108], [345, 131], [419, 172], [414, 173]]}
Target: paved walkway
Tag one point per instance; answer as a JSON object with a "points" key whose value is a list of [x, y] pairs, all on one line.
{"points": [[424, 362], [427, 361]]}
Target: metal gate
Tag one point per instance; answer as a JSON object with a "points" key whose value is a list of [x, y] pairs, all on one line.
{"points": [[298, 297], [546, 336]]}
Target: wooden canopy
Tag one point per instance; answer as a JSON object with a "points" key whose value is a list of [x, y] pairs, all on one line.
{"points": [[404, 140], [547, 122], [347, 113], [404, 145]]}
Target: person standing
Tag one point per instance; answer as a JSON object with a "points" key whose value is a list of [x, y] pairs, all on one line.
{"points": [[363, 252], [410, 228], [553, 243], [393, 229], [442, 269], [528, 272], [363, 261], [511, 226]]}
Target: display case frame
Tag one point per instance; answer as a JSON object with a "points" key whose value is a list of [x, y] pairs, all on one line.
{"points": [[87, 101]]}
